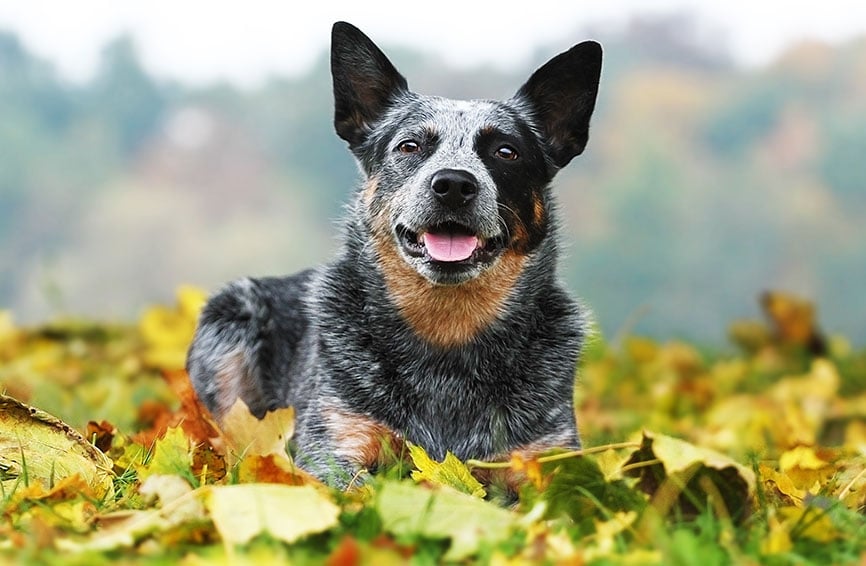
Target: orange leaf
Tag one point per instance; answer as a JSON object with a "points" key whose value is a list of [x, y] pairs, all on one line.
{"points": [[193, 417], [272, 469], [347, 553], [529, 466], [155, 418]]}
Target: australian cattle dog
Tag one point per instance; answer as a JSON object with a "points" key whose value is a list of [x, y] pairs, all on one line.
{"points": [[442, 320]]}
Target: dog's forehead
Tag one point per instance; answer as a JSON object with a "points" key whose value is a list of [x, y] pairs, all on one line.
{"points": [[446, 116]]}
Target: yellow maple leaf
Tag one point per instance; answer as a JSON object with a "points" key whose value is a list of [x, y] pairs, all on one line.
{"points": [[803, 403], [242, 512], [7, 326], [783, 484], [806, 468], [168, 331], [190, 301], [809, 522], [245, 435], [855, 436], [44, 450], [678, 455], [778, 539], [450, 472], [792, 319], [172, 455]]}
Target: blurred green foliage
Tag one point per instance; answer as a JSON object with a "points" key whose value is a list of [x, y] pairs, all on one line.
{"points": [[703, 182]]}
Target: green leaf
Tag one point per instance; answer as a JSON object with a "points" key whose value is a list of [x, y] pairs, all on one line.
{"points": [[677, 473], [469, 522], [578, 489], [677, 455], [450, 472], [172, 455], [242, 512]]}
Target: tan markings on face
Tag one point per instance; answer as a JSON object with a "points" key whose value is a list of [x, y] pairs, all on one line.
{"points": [[360, 439], [537, 211], [370, 191], [519, 236], [233, 380], [445, 315]]}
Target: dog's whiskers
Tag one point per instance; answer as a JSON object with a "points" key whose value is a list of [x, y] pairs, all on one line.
{"points": [[517, 220]]}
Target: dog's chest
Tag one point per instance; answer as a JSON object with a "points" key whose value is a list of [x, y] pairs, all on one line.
{"points": [[470, 406]]}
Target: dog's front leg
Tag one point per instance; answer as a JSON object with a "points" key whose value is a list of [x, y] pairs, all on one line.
{"points": [[339, 445]]}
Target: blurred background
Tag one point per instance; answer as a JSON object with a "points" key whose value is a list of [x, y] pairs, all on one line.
{"points": [[146, 145]]}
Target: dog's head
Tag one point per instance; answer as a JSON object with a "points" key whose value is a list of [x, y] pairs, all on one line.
{"points": [[453, 185]]}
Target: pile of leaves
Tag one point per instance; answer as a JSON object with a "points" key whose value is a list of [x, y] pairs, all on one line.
{"points": [[755, 455]]}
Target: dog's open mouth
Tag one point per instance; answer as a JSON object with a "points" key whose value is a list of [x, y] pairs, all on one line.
{"points": [[449, 243]]}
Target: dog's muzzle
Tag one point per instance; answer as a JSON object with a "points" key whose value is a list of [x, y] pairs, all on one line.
{"points": [[454, 188], [456, 234]]}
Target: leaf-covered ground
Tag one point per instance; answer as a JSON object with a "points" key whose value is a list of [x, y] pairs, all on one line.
{"points": [[751, 455]]}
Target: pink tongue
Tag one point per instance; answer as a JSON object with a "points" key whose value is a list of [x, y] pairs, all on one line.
{"points": [[449, 247]]}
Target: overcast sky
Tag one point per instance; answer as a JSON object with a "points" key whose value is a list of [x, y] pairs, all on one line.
{"points": [[206, 40]]}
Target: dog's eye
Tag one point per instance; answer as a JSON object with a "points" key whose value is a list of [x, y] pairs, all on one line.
{"points": [[409, 146], [507, 153]]}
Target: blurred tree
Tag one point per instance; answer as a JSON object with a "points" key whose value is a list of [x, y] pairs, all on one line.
{"points": [[845, 146], [125, 96], [702, 183], [30, 85], [733, 129]]}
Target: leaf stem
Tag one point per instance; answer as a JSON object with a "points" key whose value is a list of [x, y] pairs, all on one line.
{"points": [[850, 486], [555, 457], [637, 465]]}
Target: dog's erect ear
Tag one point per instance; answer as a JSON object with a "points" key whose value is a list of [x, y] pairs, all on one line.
{"points": [[365, 82], [562, 96]]}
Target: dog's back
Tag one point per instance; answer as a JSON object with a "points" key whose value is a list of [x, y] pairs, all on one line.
{"points": [[441, 321]]}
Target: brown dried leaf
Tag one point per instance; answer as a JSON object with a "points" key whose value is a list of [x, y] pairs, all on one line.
{"points": [[100, 434], [793, 321]]}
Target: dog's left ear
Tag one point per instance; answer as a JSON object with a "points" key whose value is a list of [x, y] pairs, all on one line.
{"points": [[365, 82], [562, 96]]}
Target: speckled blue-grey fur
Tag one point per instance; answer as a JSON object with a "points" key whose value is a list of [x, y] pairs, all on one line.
{"points": [[336, 343]]}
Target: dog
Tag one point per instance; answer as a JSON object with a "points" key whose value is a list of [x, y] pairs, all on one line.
{"points": [[441, 321]]}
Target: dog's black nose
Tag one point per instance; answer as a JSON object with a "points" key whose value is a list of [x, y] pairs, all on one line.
{"points": [[454, 187]]}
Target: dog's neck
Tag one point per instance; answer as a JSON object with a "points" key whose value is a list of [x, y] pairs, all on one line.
{"points": [[447, 315]]}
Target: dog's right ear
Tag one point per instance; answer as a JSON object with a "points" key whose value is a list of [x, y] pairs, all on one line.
{"points": [[365, 82]]}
